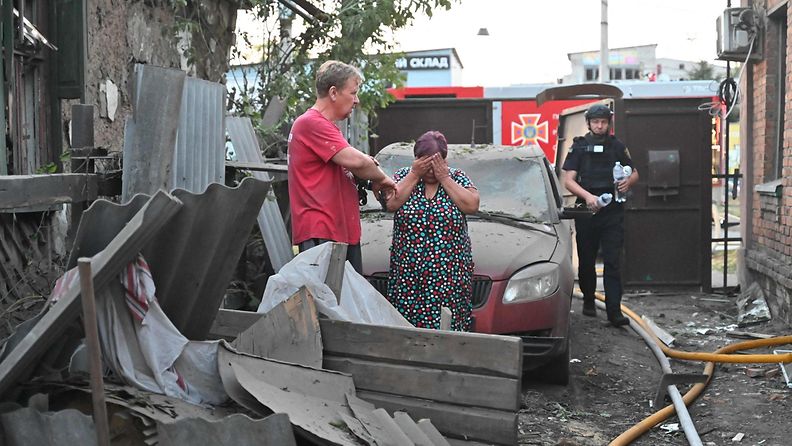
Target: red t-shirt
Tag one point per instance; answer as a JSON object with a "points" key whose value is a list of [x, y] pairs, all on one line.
{"points": [[323, 195]]}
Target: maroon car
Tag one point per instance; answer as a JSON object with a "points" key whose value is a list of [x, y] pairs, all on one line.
{"points": [[522, 248]]}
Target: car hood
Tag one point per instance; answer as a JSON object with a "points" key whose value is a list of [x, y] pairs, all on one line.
{"points": [[498, 249]]}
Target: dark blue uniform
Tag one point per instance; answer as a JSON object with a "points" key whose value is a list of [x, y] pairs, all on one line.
{"points": [[593, 157]]}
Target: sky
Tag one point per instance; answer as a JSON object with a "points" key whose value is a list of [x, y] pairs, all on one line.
{"points": [[529, 40]]}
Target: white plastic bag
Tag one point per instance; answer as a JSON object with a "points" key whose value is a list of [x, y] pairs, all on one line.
{"points": [[360, 301]]}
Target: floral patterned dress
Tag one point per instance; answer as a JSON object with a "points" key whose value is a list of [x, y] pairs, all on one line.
{"points": [[431, 264]]}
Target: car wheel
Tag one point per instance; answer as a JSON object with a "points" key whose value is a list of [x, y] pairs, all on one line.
{"points": [[557, 370]]}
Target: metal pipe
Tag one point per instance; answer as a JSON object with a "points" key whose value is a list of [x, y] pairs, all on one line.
{"points": [[676, 398]]}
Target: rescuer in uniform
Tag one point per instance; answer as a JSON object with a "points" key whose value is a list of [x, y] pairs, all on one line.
{"points": [[588, 173]]}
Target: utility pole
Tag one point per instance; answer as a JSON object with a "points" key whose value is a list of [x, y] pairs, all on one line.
{"points": [[604, 72]]}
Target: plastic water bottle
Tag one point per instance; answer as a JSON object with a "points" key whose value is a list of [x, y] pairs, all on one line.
{"points": [[618, 175], [604, 200]]}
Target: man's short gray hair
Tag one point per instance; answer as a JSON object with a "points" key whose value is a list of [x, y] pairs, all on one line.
{"points": [[334, 74]]}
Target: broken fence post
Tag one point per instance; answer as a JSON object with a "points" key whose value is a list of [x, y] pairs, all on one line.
{"points": [[335, 269], [94, 352]]}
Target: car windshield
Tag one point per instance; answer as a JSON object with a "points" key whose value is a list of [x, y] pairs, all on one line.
{"points": [[509, 186]]}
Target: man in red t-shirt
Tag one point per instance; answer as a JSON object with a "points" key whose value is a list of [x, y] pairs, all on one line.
{"points": [[322, 166]]}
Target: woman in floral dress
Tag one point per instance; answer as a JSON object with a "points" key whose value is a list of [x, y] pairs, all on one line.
{"points": [[431, 265]]}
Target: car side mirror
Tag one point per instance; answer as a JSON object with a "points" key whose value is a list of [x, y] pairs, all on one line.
{"points": [[574, 212]]}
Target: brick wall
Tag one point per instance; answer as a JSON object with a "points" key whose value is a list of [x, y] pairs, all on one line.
{"points": [[769, 258]]}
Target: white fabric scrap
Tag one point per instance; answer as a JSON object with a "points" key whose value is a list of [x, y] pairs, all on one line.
{"points": [[140, 343]]}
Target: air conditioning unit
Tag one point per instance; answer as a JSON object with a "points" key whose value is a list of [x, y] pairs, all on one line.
{"points": [[739, 32]]}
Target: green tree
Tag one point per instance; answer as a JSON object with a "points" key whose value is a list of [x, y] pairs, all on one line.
{"points": [[702, 71], [353, 31]]}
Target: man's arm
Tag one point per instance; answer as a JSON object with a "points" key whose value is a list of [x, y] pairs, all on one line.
{"points": [[360, 164], [568, 178], [364, 167]]}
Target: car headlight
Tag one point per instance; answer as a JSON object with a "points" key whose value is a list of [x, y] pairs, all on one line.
{"points": [[532, 283]]}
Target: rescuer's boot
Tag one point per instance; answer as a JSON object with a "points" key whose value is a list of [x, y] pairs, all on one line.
{"points": [[615, 316], [618, 319], [589, 308]]}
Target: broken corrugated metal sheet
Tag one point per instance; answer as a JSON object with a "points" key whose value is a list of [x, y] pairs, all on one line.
{"points": [[270, 220], [148, 158], [26, 426], [194, 257], [235, 430], [200, 141]]}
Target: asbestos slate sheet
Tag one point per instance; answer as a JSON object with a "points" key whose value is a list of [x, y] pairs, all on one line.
{"points": [[194, 257], [26, 426], [270, 220], [314, 399], [235, 430], [199, 156]]}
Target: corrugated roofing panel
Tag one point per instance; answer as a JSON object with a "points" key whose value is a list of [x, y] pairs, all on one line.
{"points": [[151, 133], [273, 229], [200, 142], [194, 257]]}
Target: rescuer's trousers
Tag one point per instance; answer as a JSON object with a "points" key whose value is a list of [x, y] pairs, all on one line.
{"points": [[602, 231]]}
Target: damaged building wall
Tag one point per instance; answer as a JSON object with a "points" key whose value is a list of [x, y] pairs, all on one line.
{"points": [[197, 39], [767, 192]]}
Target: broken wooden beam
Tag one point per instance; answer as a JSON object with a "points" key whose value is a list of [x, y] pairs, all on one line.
{"points": [[88, 300], [25, 193]]}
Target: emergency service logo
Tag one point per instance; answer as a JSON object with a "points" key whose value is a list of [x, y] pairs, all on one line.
{"points": [[529, 130]]}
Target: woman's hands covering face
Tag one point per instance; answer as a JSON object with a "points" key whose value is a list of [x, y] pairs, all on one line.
{"points": [[439, 166], [421, 166]]}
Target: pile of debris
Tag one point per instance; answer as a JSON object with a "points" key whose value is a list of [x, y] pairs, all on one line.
{"points": [[156, 360], [159, 266]]}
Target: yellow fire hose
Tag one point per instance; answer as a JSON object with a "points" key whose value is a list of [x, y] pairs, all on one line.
{"points": [[722, 355]]}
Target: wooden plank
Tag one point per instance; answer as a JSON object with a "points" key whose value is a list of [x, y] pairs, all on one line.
{"points": [[258, 167], [22, 192], [486, 354], [106, 266], [289, 332], [94, 352], [450, 350], [439, 385], [228, 324], [470, 423], [335, 269]]}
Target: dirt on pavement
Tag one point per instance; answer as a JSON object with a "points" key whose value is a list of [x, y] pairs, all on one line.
{"points": [[614, 376]]}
